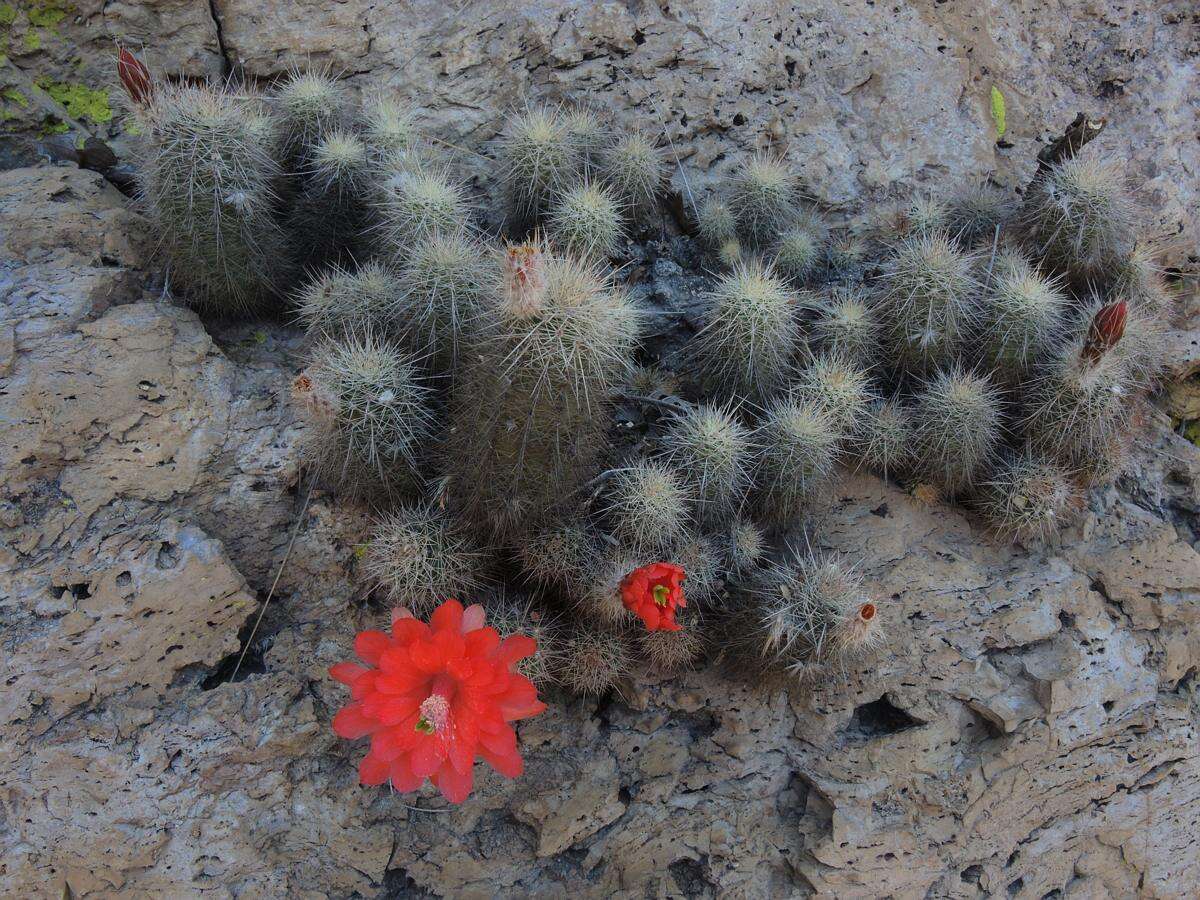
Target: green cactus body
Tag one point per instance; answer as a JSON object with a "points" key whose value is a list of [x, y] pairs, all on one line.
{"points": [[212, 185], [528, 413]]}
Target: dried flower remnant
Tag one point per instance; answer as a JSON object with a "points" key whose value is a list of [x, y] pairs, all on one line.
{"points": [[135, 77], [1106, 331], [524, 279]]}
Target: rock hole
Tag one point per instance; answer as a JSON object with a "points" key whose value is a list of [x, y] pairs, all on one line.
{"points": [[124, 579], [739, 120], [399, 885], [168, 556], [881, 510], [879, 718], [689, 876], [253, 664], [639, 37], [971, 874], [1014, 887]]}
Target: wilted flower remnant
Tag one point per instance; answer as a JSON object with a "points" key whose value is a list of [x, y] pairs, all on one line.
{"points": [[434, 698]]}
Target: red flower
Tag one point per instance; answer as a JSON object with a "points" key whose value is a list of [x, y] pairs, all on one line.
{"points": [[135, 76], [436, 697], [654, 592], [1107, 328]]}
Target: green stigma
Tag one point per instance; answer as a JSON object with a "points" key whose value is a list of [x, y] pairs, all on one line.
{"points": [[424, 726], [662, 594]]}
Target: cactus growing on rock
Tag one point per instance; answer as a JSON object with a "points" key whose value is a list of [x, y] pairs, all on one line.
{"points": [[929, 300], [750, 335], [445, 282], [883, 441], [674, 651], [745, 546], [416, 201], [799, 452], [338, 301], [712, 451], [1021, 317], [368, 406], [635, 168], [330, 213], [959, 426], [846, 326], [715, 223], [528, 402], [541, 159], [976, 214], [211, 182], [419, 556], [311, 105], [388, 128], [1027, 497], [649, 507], [593, 662], [800, 248], [556, 554], [587, 220], [763, 197], [1078, 217], [1080, 400], [806, 613], [839, 388]]}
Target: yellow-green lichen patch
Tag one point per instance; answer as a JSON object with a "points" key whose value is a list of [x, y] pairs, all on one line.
{"points": [[47, 15], [80, 101], [8, 14], [12, 95], [32, 40]]}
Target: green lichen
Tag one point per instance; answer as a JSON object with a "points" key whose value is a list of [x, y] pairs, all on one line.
{"points": [[15, 96], [47, 15], [998, 112], [53, 126], [8, 14], [33, 40], [80, 101]]}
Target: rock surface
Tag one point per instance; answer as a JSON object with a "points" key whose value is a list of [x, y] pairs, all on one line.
{"points": [[871, 100], [1030, 729]]}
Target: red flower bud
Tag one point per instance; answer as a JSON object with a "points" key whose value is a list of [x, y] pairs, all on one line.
{"points": [[654, 592], [1108, 326], [135, 77]]}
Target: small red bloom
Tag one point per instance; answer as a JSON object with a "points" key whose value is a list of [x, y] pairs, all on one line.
{"points": [[654, 592], [135, 77], [1107, 328], [436, 697]]}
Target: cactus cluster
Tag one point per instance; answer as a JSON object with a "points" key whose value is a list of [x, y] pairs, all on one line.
{"points": [[466, 383], [1012, 341]]}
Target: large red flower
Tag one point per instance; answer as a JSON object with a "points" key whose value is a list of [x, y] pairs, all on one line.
{"points": [[436, 697], [654, 592]]}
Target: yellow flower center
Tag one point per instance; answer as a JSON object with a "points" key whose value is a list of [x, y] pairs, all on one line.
{"points": [[662, 594]]}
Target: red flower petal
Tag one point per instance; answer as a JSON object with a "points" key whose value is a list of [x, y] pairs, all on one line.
{"points": [[447, 617], [510, 765], [347, 672], [369, 645], [350, 722], [428, 756], [516, 648], [455, 786], [403, 778], [372, 770]]}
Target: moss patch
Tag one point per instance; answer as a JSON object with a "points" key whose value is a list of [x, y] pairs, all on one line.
{"points": [[81, 101], [8, 14], [15, 96]]}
